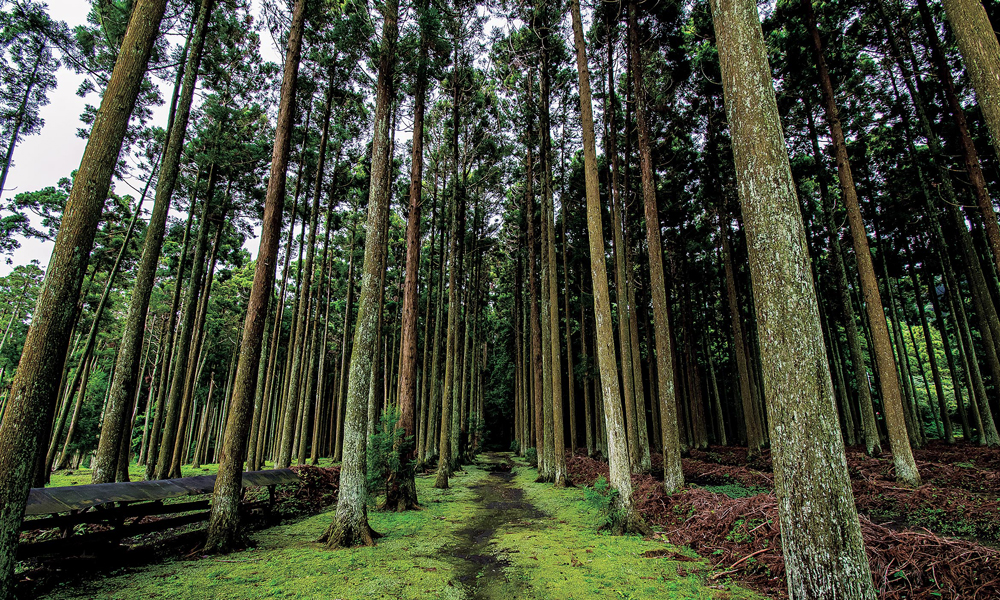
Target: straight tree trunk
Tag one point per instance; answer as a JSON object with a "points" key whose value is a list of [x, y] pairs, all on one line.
{"points": [[618, 250], [626, 516], [977, 42], [534, 294], [27, 416], [402, 487], [558, 445], [821, 537], [223, 525], [892, 402], [350, 525]]}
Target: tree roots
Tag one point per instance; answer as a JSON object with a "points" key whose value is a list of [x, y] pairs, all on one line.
{"points": [[344, 535]]}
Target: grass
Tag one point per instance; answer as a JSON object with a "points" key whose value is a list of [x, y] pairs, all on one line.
{"points": [[560, 555]]}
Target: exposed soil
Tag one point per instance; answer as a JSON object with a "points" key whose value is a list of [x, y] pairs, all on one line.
{"points": [[481, 570]]}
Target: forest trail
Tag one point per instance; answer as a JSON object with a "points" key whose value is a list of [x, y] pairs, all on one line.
{"points": [[485, 572]]}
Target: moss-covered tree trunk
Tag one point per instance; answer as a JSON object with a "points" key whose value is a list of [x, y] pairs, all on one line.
{"points": [[28, 412], [350, 526], [627, 516], [821, 537]]}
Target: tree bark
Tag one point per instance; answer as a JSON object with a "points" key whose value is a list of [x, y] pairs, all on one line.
{"points": [[350, 525], [627, 517], [28, 413], [821, 537], [892, 403], [673, 476], [223, 525], [402, 488]]}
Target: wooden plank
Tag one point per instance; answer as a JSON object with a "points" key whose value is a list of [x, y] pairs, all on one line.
{"points": [[113, 513], [43, 501], [86, 542]]}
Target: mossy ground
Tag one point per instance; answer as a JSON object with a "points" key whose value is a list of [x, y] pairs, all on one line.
{"points": [[555, 554]]}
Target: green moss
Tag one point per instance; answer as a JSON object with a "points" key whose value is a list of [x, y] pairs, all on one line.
{"points": [[559, 555], [565, 556]]}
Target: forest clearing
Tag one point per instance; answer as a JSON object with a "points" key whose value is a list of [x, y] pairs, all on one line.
{"points": [[508, 299]]}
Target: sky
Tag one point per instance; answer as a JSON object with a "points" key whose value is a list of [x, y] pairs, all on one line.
{"points": [[41, 160]]}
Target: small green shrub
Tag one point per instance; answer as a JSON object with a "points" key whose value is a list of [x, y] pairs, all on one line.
{"points": [[380, 454], [531, 455], [515, 446], [602, 499]]}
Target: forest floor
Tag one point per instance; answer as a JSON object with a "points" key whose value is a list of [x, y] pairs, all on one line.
{"points": [[493, 534], [939, 540]]}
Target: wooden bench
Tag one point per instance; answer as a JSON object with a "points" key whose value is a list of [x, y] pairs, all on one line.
{"points": [[124, 507]]}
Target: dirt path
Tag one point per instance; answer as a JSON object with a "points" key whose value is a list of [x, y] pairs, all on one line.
{"points": [[482, 569]]}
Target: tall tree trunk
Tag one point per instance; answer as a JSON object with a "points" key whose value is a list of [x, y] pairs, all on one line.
{"points": [[534, 293], [28, 413], [626, 515], [551, 276], [223, 525], [821, 537], [892, 403], [304, 305], [127, 367], [402, 488], [618, 250], [350, 526], [673, 476], [344, 364]]}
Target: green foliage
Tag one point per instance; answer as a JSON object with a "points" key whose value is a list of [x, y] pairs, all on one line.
{"points": [[736, 490], [602, 499], [742, 531], [380, 455], [531, 455]]}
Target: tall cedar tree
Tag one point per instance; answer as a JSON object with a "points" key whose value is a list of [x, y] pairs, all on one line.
{"points": [[402, 489], [350, 526], [821, 537], [892, 402], [28, 413], [627, 517], [223, 525], [673, 476]]}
